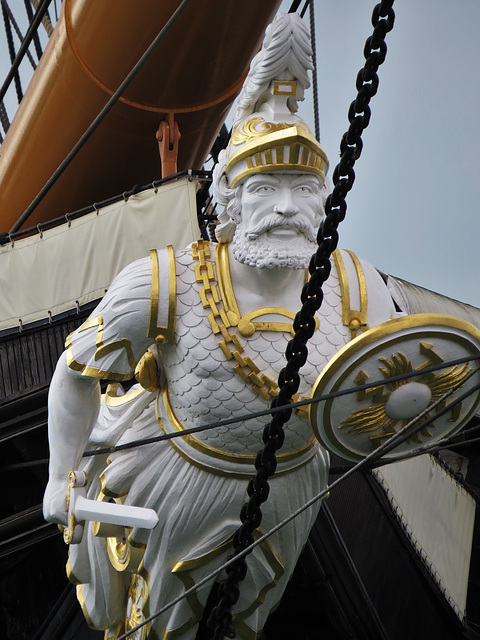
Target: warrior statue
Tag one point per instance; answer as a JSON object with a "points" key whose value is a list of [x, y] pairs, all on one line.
{"points": [[204, 329]]}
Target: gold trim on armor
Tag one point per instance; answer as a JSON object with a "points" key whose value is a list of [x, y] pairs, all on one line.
{"points": [[162, 334], [284, 87], [275, 136], [194, 563], [113, 633], [351, 318], [361, 283], [111, 399], [183, 569], [105, 349], [278, 569], [220, 322], [106, 492], [92, 372], [421, 320], [101, 351], [70, 575], [247, 132], [225, 283], [154, 295], [124, 553], [81, 600], [246, 632], [140, 614], [316, 169], [218, 453], [230, 303]]}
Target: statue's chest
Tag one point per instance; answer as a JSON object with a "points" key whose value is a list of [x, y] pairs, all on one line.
{"points": [[217, 370], [211, 351]]}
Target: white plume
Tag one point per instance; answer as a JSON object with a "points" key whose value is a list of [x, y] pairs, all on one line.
{"points": [[286, 54]]}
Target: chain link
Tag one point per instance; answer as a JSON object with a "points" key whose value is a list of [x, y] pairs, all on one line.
{"points": [[304, 324], [219, 321]]}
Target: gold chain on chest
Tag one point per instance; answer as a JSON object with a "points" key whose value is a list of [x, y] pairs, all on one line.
{"points": [[220, 323]]}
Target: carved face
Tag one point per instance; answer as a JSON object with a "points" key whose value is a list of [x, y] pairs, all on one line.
{"points": [[278, 219]]}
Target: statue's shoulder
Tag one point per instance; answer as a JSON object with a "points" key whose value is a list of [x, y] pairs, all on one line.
{"points": [[366, 300], [173, 274]]}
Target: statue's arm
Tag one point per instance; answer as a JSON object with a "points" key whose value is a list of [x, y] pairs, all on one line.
{"points": [[73, 406], [107, 346]]}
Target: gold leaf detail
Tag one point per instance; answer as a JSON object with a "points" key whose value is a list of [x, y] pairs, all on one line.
{"points": [[398, 365], [374, 419], [247, 131], [369, 419], [444, 381], [147, 374]]}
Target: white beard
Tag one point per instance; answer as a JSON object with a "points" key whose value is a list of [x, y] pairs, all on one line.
{"points": [[268, 253]]}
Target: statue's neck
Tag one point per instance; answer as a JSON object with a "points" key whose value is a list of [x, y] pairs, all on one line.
{"points": [[255, 288]]}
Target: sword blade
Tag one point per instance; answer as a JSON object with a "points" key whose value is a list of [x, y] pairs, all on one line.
{"points": [[112, 513]]}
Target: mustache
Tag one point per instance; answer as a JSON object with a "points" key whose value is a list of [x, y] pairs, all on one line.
{"points": [[272, 221]]}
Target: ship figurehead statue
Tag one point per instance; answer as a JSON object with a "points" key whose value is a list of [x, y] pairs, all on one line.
{"points": [[270, 141], [204, 329]]}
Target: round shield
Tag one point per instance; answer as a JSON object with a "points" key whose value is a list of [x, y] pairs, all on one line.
{"points": [[391, 374]]}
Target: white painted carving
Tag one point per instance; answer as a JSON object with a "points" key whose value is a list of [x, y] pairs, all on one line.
{"points": [[286, 54], [198, 485]]}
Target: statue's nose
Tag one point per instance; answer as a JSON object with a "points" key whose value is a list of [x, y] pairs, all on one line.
{"points": [[285, 204]]}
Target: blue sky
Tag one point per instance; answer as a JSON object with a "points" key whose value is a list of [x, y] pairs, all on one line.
{"points": [[413, 209]]}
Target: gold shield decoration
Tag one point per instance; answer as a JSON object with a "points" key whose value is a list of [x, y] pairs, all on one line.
{"points": [[353, 425]]}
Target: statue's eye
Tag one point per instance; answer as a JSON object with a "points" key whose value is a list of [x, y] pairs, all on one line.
{"points": [[304, 190]]}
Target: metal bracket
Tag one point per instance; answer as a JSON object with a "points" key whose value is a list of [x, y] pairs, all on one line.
{"points": [[168, 135]]}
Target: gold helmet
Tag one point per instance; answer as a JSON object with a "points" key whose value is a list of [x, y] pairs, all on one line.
{"points": [[267, 134]]}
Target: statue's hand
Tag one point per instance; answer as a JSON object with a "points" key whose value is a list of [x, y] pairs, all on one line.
{"points": [[55, 501]]}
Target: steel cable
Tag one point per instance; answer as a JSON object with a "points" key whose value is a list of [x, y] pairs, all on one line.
{"points": [[367, 461], [273, 410]]}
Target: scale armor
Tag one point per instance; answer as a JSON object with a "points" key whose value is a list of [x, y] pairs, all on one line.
{"points": [[204, 386]]}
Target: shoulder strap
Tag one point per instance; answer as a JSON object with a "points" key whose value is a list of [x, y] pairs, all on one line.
{"points": [[161, 326], [353, 289]]}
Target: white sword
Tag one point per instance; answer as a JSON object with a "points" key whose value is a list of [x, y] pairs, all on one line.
{"points": [[81, 509]]}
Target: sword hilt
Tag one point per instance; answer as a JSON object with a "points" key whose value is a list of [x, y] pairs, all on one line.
{"points": [[81, 509]]}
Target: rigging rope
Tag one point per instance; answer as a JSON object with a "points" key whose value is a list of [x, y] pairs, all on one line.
{"points": [[463, 438], [11, 49], [36, 39], [4, 117], [316, 116], [273, 410], [32, 29], [304, 324], [20, 35], [47, 25], [101, 116], [406, 431], [294, 6]]}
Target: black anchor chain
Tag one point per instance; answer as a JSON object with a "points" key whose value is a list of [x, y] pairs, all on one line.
{"points": [[304, 324]]}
